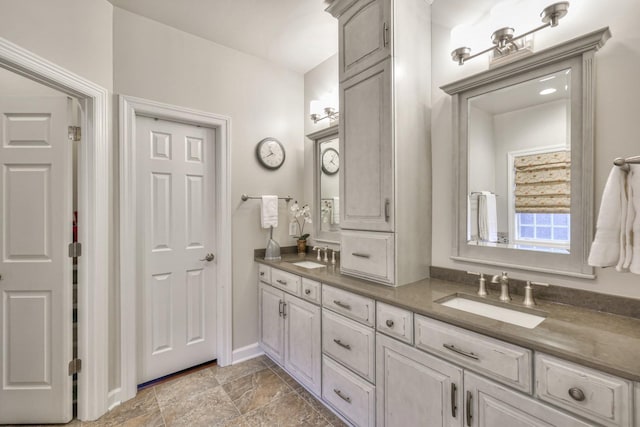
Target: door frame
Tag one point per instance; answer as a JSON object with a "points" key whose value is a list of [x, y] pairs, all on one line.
{"points": [[93, 203], [130, 107]]}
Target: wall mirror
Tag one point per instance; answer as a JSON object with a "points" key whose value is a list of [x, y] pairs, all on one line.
{"points": [[523, 135], [326, 204]]}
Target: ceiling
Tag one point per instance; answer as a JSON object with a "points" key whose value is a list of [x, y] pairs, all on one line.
{"points": [[297, 34]]}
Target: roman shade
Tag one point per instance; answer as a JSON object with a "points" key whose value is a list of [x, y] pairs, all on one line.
{"points": [[543, 182]]}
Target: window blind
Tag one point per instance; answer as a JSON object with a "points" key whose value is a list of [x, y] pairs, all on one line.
{"points": [[543, 182]]}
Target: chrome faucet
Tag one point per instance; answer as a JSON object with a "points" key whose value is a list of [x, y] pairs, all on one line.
{"points": [[319, 249], [326, 253], [504, 285]]}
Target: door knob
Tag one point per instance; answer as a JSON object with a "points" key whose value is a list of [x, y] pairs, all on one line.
{"points": [[208, 257]]}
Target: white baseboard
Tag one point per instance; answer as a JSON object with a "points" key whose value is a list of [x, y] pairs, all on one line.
{"points": [[245, 353]]}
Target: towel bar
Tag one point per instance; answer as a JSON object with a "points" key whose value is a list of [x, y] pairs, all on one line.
{"points": [[624, 163], [244, 198]]}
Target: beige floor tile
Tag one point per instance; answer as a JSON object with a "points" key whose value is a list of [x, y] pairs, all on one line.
{"points": [[266, 360], [332, 418], [184, 387], [256, 390], [233, 372], [142, 410], [288, 379], [290, 410], [211, 407]]}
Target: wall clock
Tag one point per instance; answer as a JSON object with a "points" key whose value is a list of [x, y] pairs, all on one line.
{"points": [[330, 161], [270, 153]]}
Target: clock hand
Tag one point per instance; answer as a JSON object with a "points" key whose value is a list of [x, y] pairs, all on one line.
{"points": [[270, 154]]}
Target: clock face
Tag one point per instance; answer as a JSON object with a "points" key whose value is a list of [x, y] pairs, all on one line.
{"points": [[270, 153], [330, 161]]}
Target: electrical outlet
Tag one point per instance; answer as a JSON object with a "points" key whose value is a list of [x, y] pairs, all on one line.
{"points": [[293, 229]]}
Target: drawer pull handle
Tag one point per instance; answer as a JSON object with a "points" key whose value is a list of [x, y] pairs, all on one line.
{"points": [[461, 352], [262, 273], [576, 394], [454, 408], [469, 414], [341, 344], [342, 396], [307, 291], [282, 282], [359, 255], [341, 304], [389, 323]]}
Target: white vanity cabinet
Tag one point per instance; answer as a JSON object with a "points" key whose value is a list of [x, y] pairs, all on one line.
{"points": [[415, 388], [384, 48], [488, 404], [290, 334]]}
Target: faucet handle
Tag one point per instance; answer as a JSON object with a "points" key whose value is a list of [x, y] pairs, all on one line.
{"points": [[546, 285], [482, 282], [528, 293]]}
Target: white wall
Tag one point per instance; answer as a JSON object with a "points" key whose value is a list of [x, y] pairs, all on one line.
{"points": [[157, 62], [617, 125], [482, 148]]}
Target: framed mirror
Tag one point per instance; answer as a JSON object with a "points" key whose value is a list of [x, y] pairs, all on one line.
{"points": [[523, 135], [326, 203]]}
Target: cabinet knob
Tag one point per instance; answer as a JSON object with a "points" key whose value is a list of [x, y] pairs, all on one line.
{"points": [[307, 291], [576, 394], [389, 323], [262, 273]]}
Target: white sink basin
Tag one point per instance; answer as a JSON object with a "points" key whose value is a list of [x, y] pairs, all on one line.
{"points": [[308, 264], [515, 317]]}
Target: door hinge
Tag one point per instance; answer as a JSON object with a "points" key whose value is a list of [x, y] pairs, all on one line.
{"points": [[75, 366], [75, 133], [75, 249]]}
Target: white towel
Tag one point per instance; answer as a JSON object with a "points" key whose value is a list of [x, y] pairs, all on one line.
{"points": [[269, 211], [608, 244], [335, 215], [633, 224], [487, 217], [472, 217]]}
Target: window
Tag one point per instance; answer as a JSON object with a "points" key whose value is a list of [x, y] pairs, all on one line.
{"points": [[547, 229]]}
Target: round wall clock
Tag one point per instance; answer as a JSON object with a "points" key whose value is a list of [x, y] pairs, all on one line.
{"points": [[330, 161], [270, 153]]}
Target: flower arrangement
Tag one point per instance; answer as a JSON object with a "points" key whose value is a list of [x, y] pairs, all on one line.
{"points": [[302, 216]]}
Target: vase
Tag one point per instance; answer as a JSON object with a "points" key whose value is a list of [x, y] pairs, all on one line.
{"points": [[302, 247]]}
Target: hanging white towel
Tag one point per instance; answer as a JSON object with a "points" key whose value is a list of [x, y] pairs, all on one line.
{"points": [[269, 211], [608, 246], [487, 217], [335, 214], [633, 224], [472, 217]]}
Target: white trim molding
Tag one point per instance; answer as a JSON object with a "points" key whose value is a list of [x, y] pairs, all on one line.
{"points": [[94, 232], [245, 353], [130, 107]]}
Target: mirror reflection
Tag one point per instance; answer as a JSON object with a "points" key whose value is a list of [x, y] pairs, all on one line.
{"points": [[519, 157], [329, 159]]}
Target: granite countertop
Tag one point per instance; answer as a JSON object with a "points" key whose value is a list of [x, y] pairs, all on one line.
{"points": [[608, 342]]}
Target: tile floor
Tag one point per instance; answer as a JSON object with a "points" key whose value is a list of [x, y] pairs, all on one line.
{"points": [[253, 393]]}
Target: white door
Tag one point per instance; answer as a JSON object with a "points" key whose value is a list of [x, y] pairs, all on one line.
{"points": [[35, 283], [176, 212]]}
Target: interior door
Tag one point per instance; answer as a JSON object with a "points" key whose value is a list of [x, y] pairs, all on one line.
{"points": [[176, 211], [35, 270]]}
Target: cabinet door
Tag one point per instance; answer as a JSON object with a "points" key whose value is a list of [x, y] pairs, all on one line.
{"points": [[366, 149], [488, 404], [302, 351], [415, 388], [271, 303], [364, 36]]}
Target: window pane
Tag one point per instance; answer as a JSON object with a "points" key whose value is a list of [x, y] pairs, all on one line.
{"points": [[561, 219], [560, 234], [526, 219], [526, 232], [543, 233], [543, 219]]}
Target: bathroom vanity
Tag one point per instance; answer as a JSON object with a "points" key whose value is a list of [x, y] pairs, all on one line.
{"points": [[397, 356]]}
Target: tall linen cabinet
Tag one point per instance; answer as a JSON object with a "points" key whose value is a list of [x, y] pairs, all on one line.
{"points": [[385, 112]]}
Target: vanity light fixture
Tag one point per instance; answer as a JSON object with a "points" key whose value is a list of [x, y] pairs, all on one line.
{"points": [[317, 112], [504, 39]]}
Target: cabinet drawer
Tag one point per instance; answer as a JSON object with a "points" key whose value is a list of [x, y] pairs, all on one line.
{"points": [[395, 322], [501, 361], [310, 290], [368, 255], [350, 395], [285, 281], [589, 393], [264, 273], [349, 343], [351, 305]]}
